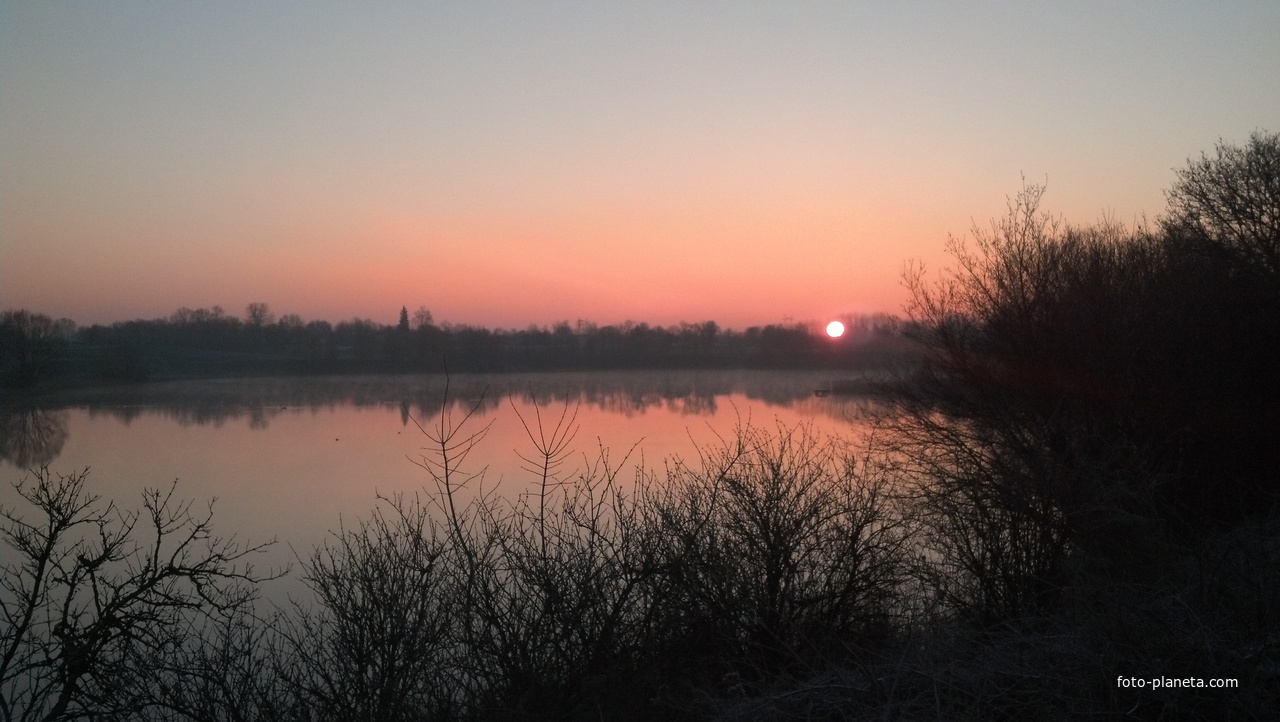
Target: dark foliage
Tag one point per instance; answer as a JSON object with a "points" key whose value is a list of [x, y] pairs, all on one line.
{"points": [[1095, 417]]}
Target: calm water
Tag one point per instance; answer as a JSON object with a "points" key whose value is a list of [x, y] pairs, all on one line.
{"points": [[293, 458]]}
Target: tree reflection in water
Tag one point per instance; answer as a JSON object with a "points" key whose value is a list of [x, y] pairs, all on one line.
{"points": [[32, 437]]}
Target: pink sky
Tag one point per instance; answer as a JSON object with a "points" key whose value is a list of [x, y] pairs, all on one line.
{"points": [[521, 163]]}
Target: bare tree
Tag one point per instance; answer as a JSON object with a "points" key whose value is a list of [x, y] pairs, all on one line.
{"points": [[422, 317], [258, 314], [93, 598], [29, 346], [1233, 200]]}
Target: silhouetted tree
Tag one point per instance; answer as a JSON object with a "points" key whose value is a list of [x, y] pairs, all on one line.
{"points": [[422, 318], [30, 344], [403, 325], [1232, 200], [258, 314], [94, 598], [1053, 413]]}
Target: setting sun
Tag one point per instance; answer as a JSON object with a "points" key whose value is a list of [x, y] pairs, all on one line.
{"points": [[835, 329]]}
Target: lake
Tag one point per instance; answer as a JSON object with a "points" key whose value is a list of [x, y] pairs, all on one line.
{"points": [[293, 458]]}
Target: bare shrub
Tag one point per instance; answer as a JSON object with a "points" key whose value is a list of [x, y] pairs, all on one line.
{"points": [[378, 643], [778, 549]]}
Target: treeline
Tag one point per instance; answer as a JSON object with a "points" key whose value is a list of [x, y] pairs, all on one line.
{"points": [[208, 342]]}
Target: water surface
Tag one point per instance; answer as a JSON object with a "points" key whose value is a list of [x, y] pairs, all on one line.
{"points": [[295, 458]]}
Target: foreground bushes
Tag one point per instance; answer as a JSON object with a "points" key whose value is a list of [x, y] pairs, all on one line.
{"points": [[779, 577], [778, 553], [588, 597]]}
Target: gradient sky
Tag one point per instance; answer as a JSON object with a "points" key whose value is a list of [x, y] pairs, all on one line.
{"points": [[514, 163]]}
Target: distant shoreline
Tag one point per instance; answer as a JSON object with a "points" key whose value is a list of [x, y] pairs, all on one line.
{"points": [[57, 359]]}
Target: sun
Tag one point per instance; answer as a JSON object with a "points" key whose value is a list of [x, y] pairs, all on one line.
{"points": [[835, 329]]}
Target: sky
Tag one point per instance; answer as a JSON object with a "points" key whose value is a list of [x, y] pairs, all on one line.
{"points": [[514, 163]]}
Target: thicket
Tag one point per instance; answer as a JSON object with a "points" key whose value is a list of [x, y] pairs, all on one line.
{"points": [[1077, 484], [1093, 441]]}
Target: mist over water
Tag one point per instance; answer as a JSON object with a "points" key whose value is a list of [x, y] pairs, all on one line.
{"points": [[295, 458]]}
